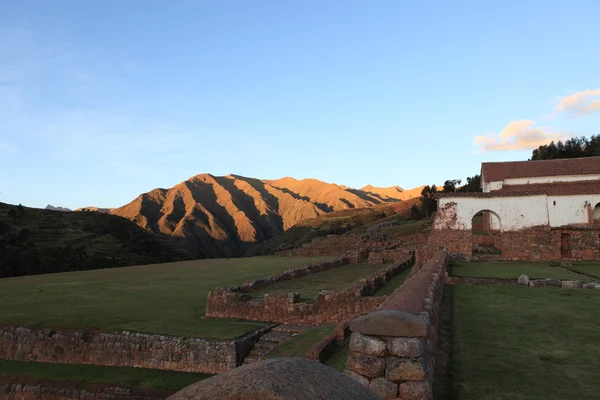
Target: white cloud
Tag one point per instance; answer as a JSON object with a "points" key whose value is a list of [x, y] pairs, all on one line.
{"points": [[580, 103], [517, 135]]}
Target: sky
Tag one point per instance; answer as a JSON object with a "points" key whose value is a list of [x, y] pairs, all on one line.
{"points": [[103, 100]]}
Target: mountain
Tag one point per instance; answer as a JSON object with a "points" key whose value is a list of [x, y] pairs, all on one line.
{"points": [[223, 216], [38, 241], [393, 192], [51, 207], [95, 209]]}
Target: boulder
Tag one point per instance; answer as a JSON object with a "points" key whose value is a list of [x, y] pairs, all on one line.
{"points": [[406, 347], [566, 263], [286, 378], [523, 280], [590, 285], [572, 284], [368, 345], [384, 388], [390, 323]]}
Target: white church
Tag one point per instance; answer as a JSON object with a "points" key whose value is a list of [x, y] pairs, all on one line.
{"points": [[525, 194]]}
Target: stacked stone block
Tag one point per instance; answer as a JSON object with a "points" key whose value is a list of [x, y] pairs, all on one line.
{"points": [[392, 350]]}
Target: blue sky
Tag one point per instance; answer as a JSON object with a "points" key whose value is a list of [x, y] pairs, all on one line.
{"points": [[103, 100]]}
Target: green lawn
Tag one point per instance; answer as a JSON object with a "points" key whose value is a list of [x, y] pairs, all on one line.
{"points": [[393, 284], [310, 285], [591, 268], [163, 298], [516, 343], [512, 270], [339, 358], [301, 343], [118, 376]]}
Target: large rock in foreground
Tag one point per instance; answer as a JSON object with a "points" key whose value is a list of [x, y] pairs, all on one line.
{"points": [[286, 378]]}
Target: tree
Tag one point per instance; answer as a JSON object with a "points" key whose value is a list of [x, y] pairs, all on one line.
{"points": [[415, 212], [428, 200], [450, 185], [571, 148], [473, 184]]}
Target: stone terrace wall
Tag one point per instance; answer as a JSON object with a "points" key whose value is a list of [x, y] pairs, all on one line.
{"points": [[125, 349], [392, 350], [388, 256], [332, 245], [46, 391], [537, 243], [494, 240], [545, 243], [335, 245], [286, 275], [330, 306]]}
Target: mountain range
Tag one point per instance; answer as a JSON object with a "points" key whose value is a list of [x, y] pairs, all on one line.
{"points": [[223, 216]]}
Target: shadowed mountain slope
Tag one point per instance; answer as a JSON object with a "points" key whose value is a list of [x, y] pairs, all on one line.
{"points": [[223, 216]]}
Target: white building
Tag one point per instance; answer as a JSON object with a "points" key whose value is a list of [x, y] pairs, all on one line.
{"points": [[524, 194]]}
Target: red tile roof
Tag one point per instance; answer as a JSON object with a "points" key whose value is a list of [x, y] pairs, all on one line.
{"points": [[555, 188], [487, 195], [498, 171], [535, 189]]}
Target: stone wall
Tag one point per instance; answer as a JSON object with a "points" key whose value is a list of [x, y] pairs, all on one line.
{"points": [[455, 241], [392, 350], [335, 245], [289, 274], [388, 256], [493, 240], [537, 243], [125, 349], [72, 391], [330, 306], [331, 245]]}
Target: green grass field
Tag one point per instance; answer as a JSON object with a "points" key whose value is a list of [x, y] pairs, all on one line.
{"points": [[512, 270], [339, 358], [164, 298], [515, 343], [309, 286], [591, 268], [118, 376], [301, 343], [393, 284]]}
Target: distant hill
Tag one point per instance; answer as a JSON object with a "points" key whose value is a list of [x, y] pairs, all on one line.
{"points": [[344, 222], [224, 216], [95, 209], [36, 241], [394, 192], [51, 207]]}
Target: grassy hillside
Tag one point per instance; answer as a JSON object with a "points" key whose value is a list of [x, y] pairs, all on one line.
{"points": [[164, 299], [354, 221], [36, 241], [224, 216]]}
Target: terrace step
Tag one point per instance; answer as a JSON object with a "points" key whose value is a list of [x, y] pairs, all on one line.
{"points": [[292, 328], [272, 340], [268, 346], [277, 337]]}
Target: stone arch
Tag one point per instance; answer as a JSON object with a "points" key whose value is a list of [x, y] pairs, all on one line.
{"points": [[486, 221], [596, 214]]}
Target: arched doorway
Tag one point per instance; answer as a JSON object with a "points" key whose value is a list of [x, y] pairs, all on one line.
{"points": [[485, 229], [485, 222], [596, 215]]}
